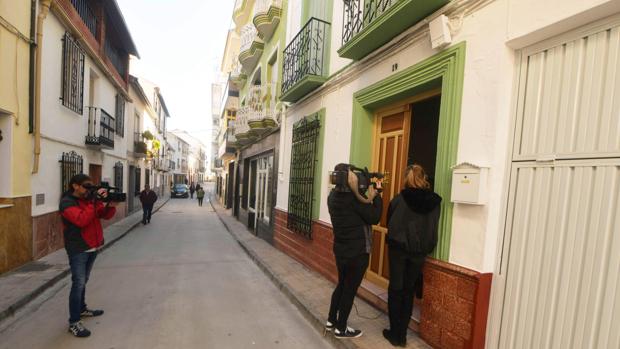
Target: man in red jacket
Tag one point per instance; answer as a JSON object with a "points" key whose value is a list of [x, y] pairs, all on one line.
{"points": [[83, 235]]}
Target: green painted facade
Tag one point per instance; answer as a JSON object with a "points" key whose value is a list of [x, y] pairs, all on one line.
{"points": [[445, 70]]}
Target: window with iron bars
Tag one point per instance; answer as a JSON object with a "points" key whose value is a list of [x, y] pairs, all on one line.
{"points": [[118, 175], [138, 174], [120, 115], [72, 75], [70, 164], [147, 177], [301, 185]]}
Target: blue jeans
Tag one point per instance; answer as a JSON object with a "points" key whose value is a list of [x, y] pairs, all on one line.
{"points": [[147, 210], [81, 265]]}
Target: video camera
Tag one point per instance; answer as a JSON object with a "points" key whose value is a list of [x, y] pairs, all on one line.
{"points": [[365, 178], [114, 194]]}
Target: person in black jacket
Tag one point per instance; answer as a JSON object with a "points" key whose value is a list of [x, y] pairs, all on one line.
{"points": [[413, 217], [351, 220]]}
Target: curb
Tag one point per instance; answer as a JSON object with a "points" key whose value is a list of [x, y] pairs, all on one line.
{"points": [[23, 301], [317, 320]]}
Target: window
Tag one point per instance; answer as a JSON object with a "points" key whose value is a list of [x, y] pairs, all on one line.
{"points": [[70, 164], [72, 75], [301, 185], [120, 115], [147, 177], [118, 176], [138, 174]]}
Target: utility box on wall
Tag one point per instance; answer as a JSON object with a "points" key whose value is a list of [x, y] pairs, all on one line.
{"points": [[469, 184]]}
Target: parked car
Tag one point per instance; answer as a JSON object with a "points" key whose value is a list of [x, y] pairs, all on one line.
{"points": [[179, 191]]}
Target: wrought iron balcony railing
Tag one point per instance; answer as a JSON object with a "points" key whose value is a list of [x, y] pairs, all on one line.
{"points": [[116, 56], [87, 14], [306, 54], [100, 128], [139, 145], [356, 17]]}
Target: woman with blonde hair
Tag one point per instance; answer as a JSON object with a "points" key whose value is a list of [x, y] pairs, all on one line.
{"points": [[413, 217]]}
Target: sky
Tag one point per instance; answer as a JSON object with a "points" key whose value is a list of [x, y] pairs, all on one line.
{"points": [[180, 43]]}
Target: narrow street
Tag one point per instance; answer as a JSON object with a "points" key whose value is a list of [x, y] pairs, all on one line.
{"points": [[180, 282]]}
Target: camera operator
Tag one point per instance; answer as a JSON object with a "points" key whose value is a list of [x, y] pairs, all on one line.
{"points": [[352, 215], [81, 212]]}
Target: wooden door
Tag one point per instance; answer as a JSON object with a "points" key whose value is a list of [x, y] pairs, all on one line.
{"points": [[94, 171], [390, 144]]}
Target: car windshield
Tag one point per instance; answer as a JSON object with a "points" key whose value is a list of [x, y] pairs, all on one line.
{"points": [[180, 186]]}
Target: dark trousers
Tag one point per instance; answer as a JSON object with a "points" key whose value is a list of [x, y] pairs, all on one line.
{"points": [[350, 274], [147, 210], [81, 264], [200, 201], [404, 271], [191, 193]]}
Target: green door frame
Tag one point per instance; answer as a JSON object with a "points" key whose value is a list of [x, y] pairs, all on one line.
{"points": [[445, 69]]}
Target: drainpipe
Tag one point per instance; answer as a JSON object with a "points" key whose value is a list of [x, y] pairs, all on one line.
{"points": [[33, 16], [45, 8]]}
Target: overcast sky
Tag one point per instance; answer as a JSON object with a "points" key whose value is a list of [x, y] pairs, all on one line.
{"points": [[180, 44]]}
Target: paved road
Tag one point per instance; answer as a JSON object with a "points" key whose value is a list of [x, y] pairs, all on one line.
{"points": [[180, 282]]}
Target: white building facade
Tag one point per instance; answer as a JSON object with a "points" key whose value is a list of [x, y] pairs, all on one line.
{"points": [[527, 93]]}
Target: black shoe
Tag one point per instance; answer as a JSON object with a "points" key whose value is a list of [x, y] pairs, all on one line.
{"points": [[348, 333], [78, 330], [329, 326], [393, 339], [91, 313], [144, 222]]}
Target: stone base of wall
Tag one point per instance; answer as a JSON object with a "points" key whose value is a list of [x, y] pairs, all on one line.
{"points": [[15, 233], [455, 306], [47, 234], [455, 302]]}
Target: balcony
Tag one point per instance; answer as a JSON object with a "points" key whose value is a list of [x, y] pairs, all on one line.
{"points": [[100, 129], [86, 12], [369, 24], [227, 147], [139, 145], [237, 75], [251, 48], [305, 61], [261, 117], [241, 13], [118, 59], [241, 127], [267, 15]]}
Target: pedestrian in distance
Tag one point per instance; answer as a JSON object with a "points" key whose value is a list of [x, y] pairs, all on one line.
{"points": [[351, 220], [81, 212], [192, 189], [200, 194], [413, 218], [147, 198]]}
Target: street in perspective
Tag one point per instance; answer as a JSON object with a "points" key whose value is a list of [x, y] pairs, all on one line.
{"points": [[359, 174]]}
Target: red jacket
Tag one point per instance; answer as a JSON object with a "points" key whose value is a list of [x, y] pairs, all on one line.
{"points": [[82, 225]]}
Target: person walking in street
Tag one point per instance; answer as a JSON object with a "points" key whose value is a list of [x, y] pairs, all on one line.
{"points": [[200, 194], [351, 219], [192, 189], [413, 218], [81, 212], [147, 198]]}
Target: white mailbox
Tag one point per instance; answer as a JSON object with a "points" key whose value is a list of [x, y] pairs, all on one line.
{"points": [[469, 184]]}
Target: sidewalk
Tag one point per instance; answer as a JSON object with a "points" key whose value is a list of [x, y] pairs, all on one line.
{"points": [[22, 285], [311, 292]]}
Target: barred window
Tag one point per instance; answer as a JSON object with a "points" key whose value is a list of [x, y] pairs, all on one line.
{"points": [[72, 75], [70, 164], [301, 185], [138, 174], [147, 177], [120, 115], [118, 175]]}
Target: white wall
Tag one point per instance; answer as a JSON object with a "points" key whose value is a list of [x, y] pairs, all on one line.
{"points": [[486, 109]]}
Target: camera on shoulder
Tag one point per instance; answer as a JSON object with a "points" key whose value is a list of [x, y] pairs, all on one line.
{"points": [[365, 178], [114, 193]]}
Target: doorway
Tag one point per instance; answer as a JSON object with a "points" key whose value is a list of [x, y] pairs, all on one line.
{"points": [[253, 172], [405, 133], [94, 171]]}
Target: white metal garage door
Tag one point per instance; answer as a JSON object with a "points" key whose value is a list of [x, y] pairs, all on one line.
{"points": [[562, 242]]}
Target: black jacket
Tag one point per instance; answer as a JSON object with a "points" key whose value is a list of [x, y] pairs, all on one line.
{"points": [[413, 219], [350, 220]]}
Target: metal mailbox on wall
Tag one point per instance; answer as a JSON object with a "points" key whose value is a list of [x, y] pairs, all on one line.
{"points": [[469, 184]]}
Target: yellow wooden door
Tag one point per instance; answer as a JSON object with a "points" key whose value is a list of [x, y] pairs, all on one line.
{"points": [[390, 146]]}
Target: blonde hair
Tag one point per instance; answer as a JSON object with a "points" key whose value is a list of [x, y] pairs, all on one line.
{"points": [[415, 177]]}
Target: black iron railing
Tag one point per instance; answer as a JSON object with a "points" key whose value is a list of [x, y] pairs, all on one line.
{"points": [[70, 164], [117, 57], [72, 74], [139, 145], [360, 13], [100, 128], [306, 54], [118, 175], [301, 185], [87, 14]]}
